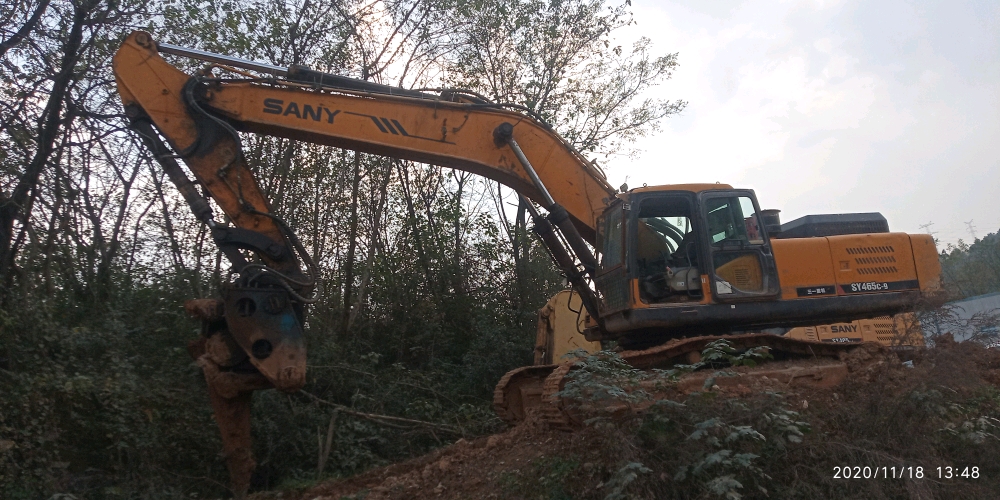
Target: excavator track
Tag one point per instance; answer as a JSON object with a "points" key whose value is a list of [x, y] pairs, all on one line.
{"points": [[533, 390], [520, 390]]}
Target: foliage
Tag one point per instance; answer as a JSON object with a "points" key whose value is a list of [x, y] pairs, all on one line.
{"points": [[622, 478], [556, 59], [943, 410], [604, 377], [103, 408], [603, 381], [950, 322], [545, 477], [708, 452], [721, 352], [429, 287], [971, 270]]}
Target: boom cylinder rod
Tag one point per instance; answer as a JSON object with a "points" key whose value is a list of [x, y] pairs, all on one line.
{"points": [[549, 202], [504, 134], [188, 189], [543, 228], [202, 55], [295, 72], [560, 217]]}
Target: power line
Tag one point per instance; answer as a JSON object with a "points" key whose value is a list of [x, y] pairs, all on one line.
{"points": [[927, 228]]}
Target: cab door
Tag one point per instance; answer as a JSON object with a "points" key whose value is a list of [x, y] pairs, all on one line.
{"points": [[612, 274], [741, 264]]}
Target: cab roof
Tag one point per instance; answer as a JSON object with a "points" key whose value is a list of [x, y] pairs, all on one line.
{"points": [[693, 188]]}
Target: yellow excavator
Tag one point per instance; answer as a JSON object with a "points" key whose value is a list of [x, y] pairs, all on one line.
{"points": [[660, 270]]}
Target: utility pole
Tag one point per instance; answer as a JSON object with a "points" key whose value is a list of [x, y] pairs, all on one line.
{"points": [[972, 229], [927, 228]]}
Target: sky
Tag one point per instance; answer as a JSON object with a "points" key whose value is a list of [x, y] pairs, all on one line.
{"points": [[832, 107]]}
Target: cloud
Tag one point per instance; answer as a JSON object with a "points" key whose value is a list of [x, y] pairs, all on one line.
{"points": [[827, 107]]}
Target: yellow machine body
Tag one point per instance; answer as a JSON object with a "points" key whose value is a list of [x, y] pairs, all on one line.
{"points": [[843, 265], [561, 322], [739, 277], [901, 330]]}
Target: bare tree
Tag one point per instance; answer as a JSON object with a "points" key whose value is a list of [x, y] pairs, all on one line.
{"points": [[29, 25]]}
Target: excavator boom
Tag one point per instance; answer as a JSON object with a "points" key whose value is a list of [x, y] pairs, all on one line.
{"points": [[421, 127]]}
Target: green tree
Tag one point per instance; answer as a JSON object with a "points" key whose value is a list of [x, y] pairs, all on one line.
{"points": [[970, 270], [433, 291]]}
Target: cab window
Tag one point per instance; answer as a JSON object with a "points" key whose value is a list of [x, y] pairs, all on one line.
{"points": [[610, 235], [732, 219], [742, 264], [667, 250], [665, 235]]}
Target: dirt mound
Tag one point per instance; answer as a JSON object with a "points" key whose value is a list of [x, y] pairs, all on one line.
{"points": [[465, 469], [936, 411]]}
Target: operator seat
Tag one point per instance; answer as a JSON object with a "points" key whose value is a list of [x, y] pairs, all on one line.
{"points": [[687, 252]]}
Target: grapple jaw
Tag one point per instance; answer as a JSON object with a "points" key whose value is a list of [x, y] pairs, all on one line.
{"points": [[265, 324]]}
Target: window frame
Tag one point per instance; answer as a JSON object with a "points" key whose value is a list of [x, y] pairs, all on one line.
{"points": [[762, 250], [633, 224], [603, 237]]}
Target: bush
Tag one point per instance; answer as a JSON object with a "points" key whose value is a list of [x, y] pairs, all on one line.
{"points": [[709, 444]]}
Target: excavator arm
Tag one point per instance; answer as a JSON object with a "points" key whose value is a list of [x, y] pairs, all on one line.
{"points": [[200, 115], [253, 337]]}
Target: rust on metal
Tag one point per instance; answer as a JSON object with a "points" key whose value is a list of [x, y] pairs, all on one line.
{"points": [[232, 414], [230, 395], [230, 392], [679, 349], [825, 375], [265, 325], [204, 309], [519, 390]]}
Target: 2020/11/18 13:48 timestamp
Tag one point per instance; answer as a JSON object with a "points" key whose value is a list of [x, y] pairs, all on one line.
{"points": [[868, 472]]}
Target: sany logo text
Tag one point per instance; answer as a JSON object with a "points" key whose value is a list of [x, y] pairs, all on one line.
{"points": [[304, 112]]}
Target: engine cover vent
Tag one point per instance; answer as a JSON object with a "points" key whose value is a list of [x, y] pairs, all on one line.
{"points": [[870, 250], [878, 270], [876, 260]]}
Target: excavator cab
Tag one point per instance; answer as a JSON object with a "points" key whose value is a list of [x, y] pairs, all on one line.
{"points": [[682, 245]]}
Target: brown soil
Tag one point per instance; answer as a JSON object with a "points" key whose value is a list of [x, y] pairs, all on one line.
{"points": [[507, 465], [463, 470]]}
